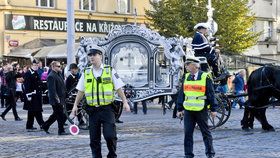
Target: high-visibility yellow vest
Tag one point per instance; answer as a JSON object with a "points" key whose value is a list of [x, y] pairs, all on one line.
{"points": [[195, 93], [99, 94]]}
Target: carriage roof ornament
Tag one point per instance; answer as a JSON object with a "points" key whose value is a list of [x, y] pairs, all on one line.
{"points": [[213, 25]]}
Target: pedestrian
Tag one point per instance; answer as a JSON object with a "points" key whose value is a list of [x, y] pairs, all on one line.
{"points": [[197, 92], [144, 105], [71, 83], [57, 93], [19, 83], [223, 86], [40, 69], [98, 83], [33, 97], [73, 77], [10, 77], [238, 85], [202, 47], [44, 75], [4, 87]]}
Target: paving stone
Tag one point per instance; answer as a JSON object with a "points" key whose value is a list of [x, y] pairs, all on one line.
{"points": [[141, 136]]}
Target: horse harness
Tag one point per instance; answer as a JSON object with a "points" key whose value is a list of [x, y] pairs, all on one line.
{"points": [[269, 84], [263, 74]]}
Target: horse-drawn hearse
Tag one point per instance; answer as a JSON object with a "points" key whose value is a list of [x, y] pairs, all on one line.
{"points": [[149, 64]]}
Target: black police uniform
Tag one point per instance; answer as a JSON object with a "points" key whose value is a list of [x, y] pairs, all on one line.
{"points": [[32, 83], [201, 47]]}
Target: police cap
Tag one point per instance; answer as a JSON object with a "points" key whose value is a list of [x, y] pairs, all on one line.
{"points": [[191, 59], [201, 26], [94, 49]]}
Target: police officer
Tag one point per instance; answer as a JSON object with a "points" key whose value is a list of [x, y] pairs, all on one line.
{"points": [[98, 83], [33, 96], [197, 92], [201, 47]]}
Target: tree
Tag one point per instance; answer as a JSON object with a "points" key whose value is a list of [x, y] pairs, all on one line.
{"points": [[178, 17]]}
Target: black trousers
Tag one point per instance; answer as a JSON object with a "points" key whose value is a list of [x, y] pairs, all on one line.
{"points": [[11, 104], [30, 118], [102, 116], [170, 103], [58, 116], [200, 118], [144, 104], [3, 98]]}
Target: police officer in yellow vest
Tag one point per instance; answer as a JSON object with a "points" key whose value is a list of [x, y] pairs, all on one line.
{"points": [[98, 83], [197, 92]]}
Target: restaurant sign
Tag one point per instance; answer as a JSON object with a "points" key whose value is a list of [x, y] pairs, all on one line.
{"points": [[39, 23]]}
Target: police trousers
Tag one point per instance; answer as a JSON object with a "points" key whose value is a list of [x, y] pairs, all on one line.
{"points": [[191, 118], [104, 117]]}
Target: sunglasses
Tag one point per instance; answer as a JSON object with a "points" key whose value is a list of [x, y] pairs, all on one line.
{"points": [[58, 66]]}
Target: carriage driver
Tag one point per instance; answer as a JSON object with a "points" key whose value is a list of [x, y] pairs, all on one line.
{"points": [[98, 83], [193, 99], [202, 47]]}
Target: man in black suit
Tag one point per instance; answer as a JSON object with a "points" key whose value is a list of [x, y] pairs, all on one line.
{"points": [[56, 91], [33, 97]]}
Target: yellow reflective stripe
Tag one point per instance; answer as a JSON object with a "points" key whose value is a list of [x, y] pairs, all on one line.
{"points": [[89, 101], [87, 94], [100, 94], [94, 102], [196, 97], [194, 104]]}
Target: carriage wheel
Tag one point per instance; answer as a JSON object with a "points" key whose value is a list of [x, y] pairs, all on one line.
{"points": [[82, 115], [216, 121], [225, 102], [83, 118]]}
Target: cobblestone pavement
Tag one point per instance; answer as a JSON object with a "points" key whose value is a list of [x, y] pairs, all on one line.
{"points": [[141, 136]]}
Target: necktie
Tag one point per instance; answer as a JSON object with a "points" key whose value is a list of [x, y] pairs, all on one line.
{"points": [[192, 77]]}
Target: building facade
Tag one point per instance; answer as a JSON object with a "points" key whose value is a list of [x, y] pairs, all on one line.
{"points": [[24, 21], [267, 13]]}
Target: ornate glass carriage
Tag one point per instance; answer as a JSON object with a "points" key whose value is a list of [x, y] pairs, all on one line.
{"points": [[142, 58], [149, 64]]}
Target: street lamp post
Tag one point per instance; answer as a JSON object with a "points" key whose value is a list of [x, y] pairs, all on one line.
{"points": [[70, 32]]}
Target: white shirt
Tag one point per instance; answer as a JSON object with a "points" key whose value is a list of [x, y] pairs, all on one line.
{"points": [[195, 75], [118, 83], [19, 87]]}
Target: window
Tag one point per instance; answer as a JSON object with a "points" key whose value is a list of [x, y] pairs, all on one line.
{"points": [[45, 3], [124, 6], [87, 5], [268, 27]]}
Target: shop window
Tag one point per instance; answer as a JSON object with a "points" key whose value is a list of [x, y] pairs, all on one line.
{"points": [[87, 5], [45, 3], [124, 6]]}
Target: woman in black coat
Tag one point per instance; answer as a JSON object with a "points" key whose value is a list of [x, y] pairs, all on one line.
{"points": [[10, 93], [33, 97]]}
